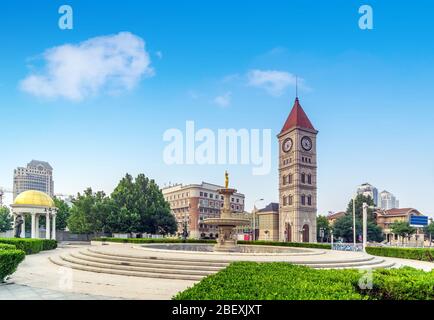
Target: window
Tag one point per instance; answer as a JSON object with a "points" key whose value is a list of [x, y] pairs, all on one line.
{"points": [[309, 179], [285, 200], [309, 200], [290, 179], [284, 180], [201, 194], [303, 200], [303, 178], [290, 200]]}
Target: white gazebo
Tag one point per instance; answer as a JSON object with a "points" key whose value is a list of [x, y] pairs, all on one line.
{"points": [[36, 204]]}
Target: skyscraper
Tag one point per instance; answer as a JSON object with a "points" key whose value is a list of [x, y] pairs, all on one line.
{"points": [[297, 178], [38, 175], [368, 190], [388, 201]]}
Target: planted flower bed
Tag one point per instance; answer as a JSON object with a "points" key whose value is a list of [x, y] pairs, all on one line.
{"points": [[283, 281]]}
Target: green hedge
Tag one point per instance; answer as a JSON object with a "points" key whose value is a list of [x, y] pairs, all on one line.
{"points": [[259, 243], [288, 244], [423, 254], [148, 240], [30, 246], [283, 281], [4, 246], [9, 261]]}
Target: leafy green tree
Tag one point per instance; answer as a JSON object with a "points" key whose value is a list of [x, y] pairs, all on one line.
{"points": [[143, 206], [63, 212], [360, 199], [5, 219], [343, 228], [323, 223], [429, 230], [403, 229], [89, 213]]}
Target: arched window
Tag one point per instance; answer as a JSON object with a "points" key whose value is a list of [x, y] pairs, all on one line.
{"points": [[309, 179], [290, 200], [303, 200], [303, 178], [290, 179], [309, 200]]}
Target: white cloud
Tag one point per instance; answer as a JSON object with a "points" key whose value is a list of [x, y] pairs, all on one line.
{"points": [[273, 81], [223, 100], [108, 64]]}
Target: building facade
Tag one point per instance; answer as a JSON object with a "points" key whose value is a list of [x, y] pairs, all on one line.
{"points": [[37, 175], [191, 204], [297, 178], [268, 221], [388, 201], [333, 216], [366, 190], [385, 218]]}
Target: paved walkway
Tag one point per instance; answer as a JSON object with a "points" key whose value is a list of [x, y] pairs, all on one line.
{"points": [[13, 291], [36, 271]]}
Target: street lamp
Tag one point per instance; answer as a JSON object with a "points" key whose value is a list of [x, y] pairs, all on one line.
{"points": [[254, 218]]}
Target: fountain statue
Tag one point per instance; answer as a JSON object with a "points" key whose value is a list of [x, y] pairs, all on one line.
{"points": [[226, 224]]}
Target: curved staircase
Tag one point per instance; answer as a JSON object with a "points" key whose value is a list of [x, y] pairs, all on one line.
{"points": [[148, 266]]}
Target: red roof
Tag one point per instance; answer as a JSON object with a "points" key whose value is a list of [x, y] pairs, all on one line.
{"points": [[297, 118], [400, 212]]}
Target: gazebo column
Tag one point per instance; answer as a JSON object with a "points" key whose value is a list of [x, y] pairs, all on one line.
{"points": [[23, 227], [47, 226], [53, 232], [37, 227], [33, 233]]}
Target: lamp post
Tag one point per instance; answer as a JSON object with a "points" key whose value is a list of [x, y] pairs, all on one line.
{"points": [[254, 218], [354, 222]]}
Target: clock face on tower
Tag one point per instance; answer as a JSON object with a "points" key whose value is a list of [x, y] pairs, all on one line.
{"points": [[306, 143], [287, 145]]}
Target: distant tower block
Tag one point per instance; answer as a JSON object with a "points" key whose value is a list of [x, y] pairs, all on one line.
{"points": [[297, 178]]}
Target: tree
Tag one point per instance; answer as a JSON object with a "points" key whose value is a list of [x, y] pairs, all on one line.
{"points": [[403, 229], [62, 215], [90, 212], [322, 223], [5, 219], [360, 199], [343, 228], [429, 231], [143, 206]]}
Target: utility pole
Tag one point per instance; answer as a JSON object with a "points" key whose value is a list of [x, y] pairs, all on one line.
{"points": [[365, 225], [354, 222]]}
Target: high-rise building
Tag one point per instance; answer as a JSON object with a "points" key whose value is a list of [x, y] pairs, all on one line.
{"points": [[191, 204], [297, 178], [388, 201], [368, 190], [38, 175]]}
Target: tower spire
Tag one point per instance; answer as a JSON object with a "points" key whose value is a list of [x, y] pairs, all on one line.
{"points": [[296, 86]]}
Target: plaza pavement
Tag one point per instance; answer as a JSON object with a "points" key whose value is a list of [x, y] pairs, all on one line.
{"points": [[38, 278]]}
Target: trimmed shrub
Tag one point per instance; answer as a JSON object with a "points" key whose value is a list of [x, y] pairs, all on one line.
{"points": [[149, 240], [49, 244], [289, 244], [283, 281], [404, 253], [4, 246], [9, 261], [30, 246]]}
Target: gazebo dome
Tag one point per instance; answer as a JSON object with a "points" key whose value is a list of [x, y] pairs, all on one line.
{"points": [[33, 198]]}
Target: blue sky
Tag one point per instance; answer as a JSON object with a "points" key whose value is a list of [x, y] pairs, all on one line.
{"points": [[369, 92]]}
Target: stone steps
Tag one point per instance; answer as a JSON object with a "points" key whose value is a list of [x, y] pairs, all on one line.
{"points": [[81, 267], [148, 264], [185, 268]]}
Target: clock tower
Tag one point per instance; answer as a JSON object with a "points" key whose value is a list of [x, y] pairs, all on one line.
{"points": [[297, 178]]}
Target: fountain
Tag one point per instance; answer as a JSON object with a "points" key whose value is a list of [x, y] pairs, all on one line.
{"points": [[226, 241]]}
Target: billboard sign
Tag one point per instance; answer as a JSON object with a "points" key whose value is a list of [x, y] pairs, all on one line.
{"points": [[418, 221]]}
